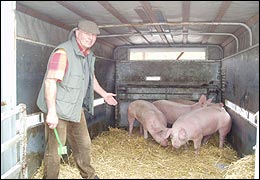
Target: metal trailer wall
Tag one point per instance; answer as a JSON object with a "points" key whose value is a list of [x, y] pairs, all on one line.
{"points": [[242, 135], [32, 62], [242, 78], [121, 54], [242, 88]]}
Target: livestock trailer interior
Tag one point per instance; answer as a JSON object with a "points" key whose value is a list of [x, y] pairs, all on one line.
{"points": [[150, 50]]}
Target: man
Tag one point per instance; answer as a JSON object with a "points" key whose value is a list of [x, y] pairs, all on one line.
{"points": [[69, 81]]}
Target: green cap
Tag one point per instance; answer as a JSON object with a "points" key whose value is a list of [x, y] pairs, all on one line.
{"points": [[89, 26]]}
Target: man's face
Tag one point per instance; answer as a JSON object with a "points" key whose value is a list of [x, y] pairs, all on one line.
{"points": [[85, 39]]}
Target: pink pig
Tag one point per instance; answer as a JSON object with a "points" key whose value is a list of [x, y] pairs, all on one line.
{"points": [[150, 118], [173, 110], [200, 123]]}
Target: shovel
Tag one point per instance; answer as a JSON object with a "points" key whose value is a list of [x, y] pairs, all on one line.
{"points": [[61, 149]]}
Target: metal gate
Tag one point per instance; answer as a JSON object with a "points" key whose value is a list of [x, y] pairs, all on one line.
{"points": [[19, 140]]}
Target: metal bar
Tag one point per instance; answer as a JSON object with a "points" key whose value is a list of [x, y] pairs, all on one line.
{"points": [[186, 23], [23, 144], [6, 145], [17, 109], [7, 114], [221, 34], [11, 173], [257, 147], [21, 136], [157, 33]]}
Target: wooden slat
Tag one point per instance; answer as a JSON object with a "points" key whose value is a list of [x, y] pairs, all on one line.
{"points": [[40, 16], [119, 16], [222, 10], [148, 10], [185, 18], [84, 16]]}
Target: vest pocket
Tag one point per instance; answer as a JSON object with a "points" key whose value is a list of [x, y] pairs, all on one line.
{"points": [[70, 92]]}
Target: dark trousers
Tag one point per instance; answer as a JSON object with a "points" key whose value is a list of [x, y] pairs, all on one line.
{"points": [[79, 140]]}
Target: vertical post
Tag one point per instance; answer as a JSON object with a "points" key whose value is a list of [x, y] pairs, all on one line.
{"points": [[257, 147], [8, 53], [8, 78], [23, 144]]}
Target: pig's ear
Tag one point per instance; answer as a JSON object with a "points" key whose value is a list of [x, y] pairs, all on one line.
{"points": [[182, 134], [202, 99], [209, 100], [168, 133]]}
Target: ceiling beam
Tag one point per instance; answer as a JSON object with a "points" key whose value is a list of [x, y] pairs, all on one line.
{"points": [[119, 16], [55, 22], [185, 18], [75, 10], [84, 16], [142, 15], [26, 10], [222, 10], [115, 13], [161, 18], [148, 10]]}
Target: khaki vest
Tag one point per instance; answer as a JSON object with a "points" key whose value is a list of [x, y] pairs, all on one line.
{"points": [[76, 85]]}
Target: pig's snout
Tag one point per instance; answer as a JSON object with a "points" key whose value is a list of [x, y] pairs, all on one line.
{"points": [[176, 144], [164, 143]]}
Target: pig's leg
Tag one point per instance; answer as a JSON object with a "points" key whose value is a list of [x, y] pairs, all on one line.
{"points": [[141, 129], [145, 134], [222, 135], [197, 143], [131, 120], [221, 141], [206, 139]]}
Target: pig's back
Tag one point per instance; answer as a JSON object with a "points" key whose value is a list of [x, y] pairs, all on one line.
{"points": [[144, 109], [172, 110], [140, 105], [207, 119]]}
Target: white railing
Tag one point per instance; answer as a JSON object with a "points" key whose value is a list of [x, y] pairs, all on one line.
{"points": [[251, 117], [21, 137]]}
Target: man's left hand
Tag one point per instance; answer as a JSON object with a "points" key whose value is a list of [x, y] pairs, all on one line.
{"points": [[109, 98]]}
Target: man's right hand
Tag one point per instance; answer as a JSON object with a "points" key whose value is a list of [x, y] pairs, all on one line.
{"points": [[52, 120]]}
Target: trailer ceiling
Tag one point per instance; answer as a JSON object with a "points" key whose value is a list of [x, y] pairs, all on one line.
{"points": [[151, 22]]}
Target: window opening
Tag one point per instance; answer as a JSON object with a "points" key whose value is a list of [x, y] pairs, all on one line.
{"points": [[140, 54]]}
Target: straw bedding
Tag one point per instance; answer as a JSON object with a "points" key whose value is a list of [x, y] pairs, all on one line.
{"points": [[115, 154]]}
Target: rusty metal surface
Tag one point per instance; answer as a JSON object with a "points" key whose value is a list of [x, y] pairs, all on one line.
{"points": [[242, 135], [172, 73], [35, 148], [31, 66], [242, 79]]}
